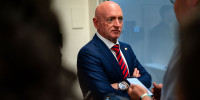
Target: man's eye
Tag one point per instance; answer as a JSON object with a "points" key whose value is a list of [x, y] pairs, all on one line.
{"points": [[110, 19], [121, 19]]}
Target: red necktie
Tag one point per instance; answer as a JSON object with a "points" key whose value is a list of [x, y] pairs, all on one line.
{"points": [[121, 62]]}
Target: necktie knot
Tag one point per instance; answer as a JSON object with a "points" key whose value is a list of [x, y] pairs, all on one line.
{"points": [[115, 48]]}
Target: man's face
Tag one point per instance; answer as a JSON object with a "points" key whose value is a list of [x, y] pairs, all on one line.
{"points": [[110, 23]]}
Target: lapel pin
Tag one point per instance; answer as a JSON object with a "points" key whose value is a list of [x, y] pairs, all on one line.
{"points": [[125, 48]]}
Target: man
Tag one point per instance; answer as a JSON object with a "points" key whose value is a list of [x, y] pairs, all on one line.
{"points": [[183, 9], [99, 68]]}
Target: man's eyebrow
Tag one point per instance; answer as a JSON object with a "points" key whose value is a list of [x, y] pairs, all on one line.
{"points": [[111, 17]]}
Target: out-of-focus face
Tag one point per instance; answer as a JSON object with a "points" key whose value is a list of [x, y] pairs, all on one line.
{"points": [[109, 20], [184, 9], [180, 9]]}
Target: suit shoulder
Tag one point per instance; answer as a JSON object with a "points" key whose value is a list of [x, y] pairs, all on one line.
{"points": [[124, 44], [89, 47]]}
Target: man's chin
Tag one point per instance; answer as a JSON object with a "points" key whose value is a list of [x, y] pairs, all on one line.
{"points": [[115, 37]]}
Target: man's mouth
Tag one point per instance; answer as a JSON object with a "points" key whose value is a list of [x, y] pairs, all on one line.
{"points": [[116, 30]]}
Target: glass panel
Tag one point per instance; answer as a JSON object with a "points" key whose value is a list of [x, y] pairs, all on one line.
{"points": [[150, 27]]}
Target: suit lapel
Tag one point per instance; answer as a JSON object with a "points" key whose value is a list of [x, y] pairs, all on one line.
{"points": [[105, 51]]}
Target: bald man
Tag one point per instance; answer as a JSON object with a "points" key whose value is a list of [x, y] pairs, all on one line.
{"points": [[104, 62]]}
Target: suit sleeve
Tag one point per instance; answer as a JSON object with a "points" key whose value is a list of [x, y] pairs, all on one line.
{"points": [[92, 77], [145, 76]]}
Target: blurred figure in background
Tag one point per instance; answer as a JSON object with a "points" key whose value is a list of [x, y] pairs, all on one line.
{"points": [[161, 38], [183, 10], [180, 74], [30, 57]]}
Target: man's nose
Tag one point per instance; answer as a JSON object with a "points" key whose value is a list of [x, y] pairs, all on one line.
{"points": [[117, 23]]}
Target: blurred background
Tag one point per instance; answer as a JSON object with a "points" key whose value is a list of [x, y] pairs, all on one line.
{"points": [[149, 27]]}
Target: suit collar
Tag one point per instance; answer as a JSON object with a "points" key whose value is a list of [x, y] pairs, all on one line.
{"points": [[108, 43]]}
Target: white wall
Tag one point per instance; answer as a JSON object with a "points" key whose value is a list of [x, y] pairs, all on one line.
{"points": [[75, 18], [74, 36]]}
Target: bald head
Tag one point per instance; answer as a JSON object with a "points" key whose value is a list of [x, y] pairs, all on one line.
{"points": [[108, 20], [104, 8]]}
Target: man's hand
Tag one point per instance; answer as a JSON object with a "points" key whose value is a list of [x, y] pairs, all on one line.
{"points": [[115, 86], [156, 90], [136, 73]]}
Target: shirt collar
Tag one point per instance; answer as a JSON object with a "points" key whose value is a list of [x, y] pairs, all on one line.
{"points": [[106, 41]]}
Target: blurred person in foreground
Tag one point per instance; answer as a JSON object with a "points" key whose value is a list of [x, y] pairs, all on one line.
{"points": [[104, 63], [30, 56], [184, 9], [189, 58]]}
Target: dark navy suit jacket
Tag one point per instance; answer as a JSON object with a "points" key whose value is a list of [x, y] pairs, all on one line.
{"points": [[98, 69]]}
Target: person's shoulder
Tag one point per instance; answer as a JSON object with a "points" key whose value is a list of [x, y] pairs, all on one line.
{"points": [[123, 43], [90, 44], [87, 45], [126, 46], [90, 47]]}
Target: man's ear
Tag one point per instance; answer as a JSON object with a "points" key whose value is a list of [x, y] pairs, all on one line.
{"points": [[96, 24]]}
